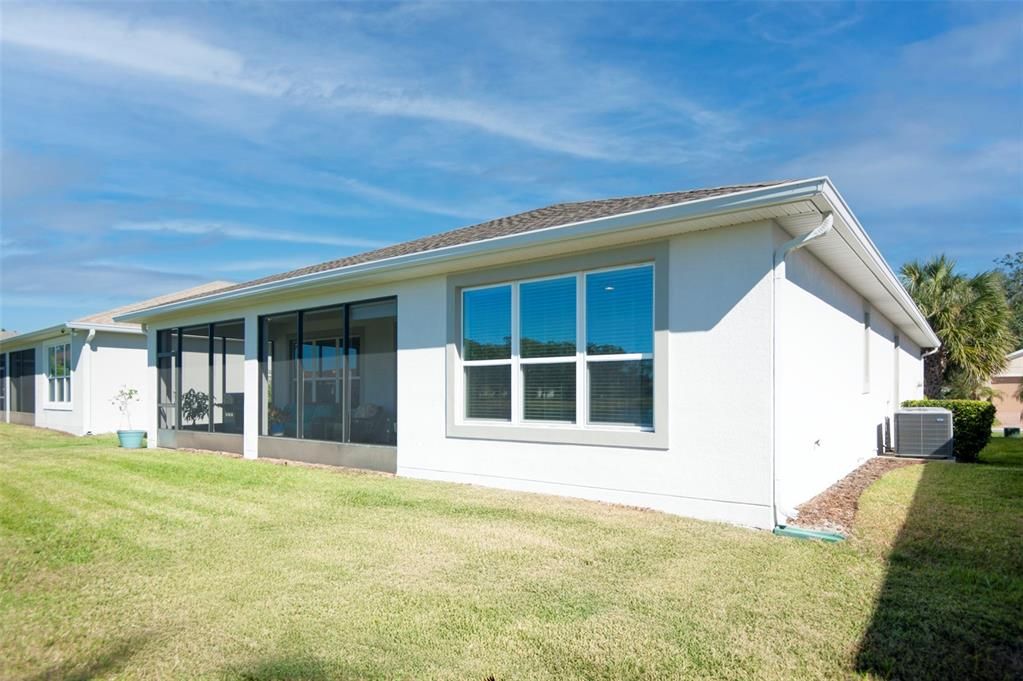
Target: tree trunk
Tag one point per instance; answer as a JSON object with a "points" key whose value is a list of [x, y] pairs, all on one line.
{"points": [[934, 374]]}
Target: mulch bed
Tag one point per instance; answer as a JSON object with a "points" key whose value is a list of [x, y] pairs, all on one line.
{"points": [[835, 508]]}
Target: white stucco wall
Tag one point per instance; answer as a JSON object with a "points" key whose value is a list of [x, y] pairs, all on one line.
{"points": [[116, 360], [827, 414], [717, 464], [98, 369]]}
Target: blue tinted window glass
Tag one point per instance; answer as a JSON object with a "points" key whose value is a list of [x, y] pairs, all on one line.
{"points": [[548, 392], [620, 311], [622, 392], [547, 318], [488, 392], [486, 323]]}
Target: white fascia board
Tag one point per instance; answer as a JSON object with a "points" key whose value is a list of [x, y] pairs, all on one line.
{"points": [[13, 342], [868, 253], [715, 205]]}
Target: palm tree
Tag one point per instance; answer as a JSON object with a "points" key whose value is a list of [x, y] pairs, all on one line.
{"points": [[970, 316]]}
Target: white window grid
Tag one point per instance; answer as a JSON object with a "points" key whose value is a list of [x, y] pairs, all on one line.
{"points": [[58, 385], [581, 359]]}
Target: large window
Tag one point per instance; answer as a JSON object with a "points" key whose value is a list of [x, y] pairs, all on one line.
{"points": [[572, 349], [58, 373], [22, 381], [331, 373], [200, 377]]}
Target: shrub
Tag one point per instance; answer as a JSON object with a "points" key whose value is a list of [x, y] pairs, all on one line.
{"points": [[971, 424]]}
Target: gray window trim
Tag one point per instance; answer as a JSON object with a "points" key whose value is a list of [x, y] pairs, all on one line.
{"points": [[608, 436]]}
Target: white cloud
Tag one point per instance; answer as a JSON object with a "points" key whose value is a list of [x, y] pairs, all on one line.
{"points": [[563, 123], [87, 35], [803, 25], [245, 232]]}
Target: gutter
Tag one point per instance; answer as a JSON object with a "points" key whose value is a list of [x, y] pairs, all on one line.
{"points": [[780, 254], [61, 329], [92, 327]]}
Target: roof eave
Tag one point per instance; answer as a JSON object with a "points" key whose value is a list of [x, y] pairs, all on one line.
{"points": [[877, 264], [32, 336], [727, 203]]}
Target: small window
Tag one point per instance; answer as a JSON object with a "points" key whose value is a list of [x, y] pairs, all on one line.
{"points": [[58, 373], [486, 343]]}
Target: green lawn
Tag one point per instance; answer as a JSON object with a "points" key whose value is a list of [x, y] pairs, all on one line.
{"points": [[162, 564]]}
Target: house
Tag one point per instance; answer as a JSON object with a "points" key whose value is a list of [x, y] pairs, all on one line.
{"points": [[722, 353], [1006, 384], [64, 376]]}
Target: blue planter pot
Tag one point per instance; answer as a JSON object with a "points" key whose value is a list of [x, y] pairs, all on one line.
{"points": [[131, 439]]}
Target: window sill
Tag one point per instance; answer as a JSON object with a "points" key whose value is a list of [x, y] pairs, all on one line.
{"points": [[561, 434], [57, 406]]}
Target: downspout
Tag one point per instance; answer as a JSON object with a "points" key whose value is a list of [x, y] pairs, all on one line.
{"points": [[780, 254], [87, 411]]}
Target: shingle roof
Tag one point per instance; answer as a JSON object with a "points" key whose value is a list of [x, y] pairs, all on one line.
{"points": [[194, 292], [531, 220]]}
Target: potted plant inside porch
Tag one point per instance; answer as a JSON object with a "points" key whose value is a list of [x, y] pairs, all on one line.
{"points": [[129, 439]]}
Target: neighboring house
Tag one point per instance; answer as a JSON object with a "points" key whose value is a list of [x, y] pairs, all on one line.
{"points": [[64, 376], [1006, 385], [678, 351]]}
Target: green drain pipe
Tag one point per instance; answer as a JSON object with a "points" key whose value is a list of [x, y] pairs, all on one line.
{"points": [[800, 533]]}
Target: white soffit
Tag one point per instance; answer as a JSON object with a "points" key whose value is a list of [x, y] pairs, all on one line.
{"points": [[843, 251]]}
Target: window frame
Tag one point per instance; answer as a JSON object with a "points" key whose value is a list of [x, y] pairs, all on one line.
{"points": [[49, 352], [582, 430]]}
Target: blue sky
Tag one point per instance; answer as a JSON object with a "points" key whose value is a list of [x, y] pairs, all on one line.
{"points": [[147, 148]]}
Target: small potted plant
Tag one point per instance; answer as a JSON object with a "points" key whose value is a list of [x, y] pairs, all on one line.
{"points": [[129, 439], [277, 418]]}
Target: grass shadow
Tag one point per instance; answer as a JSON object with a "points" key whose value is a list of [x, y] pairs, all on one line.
{"points": [[108, 661], [291, 668], [951, 606]]}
